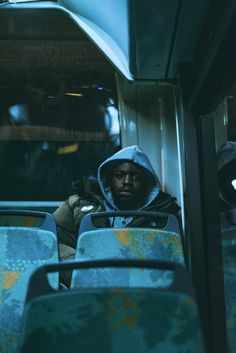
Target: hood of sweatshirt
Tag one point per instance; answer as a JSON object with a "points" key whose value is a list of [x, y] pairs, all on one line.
{"points": [[132, 154]]}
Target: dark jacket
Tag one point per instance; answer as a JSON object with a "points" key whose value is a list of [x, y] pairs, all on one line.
{"points": [[95, 197]]}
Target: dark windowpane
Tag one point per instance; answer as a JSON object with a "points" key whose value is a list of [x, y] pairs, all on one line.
{"points": [[54, 129]]}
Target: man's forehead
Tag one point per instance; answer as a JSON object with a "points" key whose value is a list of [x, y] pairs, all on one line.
{"points": [[126, 166]]}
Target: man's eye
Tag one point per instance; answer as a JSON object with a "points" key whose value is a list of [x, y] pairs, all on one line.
{"points": [[136, 177], [118, 175]]}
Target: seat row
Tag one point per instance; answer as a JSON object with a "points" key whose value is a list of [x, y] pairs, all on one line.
{"points": [[130, 290]]}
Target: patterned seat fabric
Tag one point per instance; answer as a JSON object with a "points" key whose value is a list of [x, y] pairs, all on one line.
{"points": [[112, 321], [136, 243], [229, 266], [22, 250]]}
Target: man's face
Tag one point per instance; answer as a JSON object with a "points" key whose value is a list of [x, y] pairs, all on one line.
{"points": [[128, 186]]}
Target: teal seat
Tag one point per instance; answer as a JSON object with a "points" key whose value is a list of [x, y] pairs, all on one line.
{"points": [[111, 320], [228, 233], [26, 218], [128, 243], [22, 250]]}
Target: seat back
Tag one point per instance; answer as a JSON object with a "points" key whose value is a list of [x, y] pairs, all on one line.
{"points": [[22, 250], [228, 233], [165, 221], [111, 320], [136, 243], [25, 218]]}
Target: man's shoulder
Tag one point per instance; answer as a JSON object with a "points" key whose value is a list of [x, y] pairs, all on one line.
{"points": [[72, 200], [164, 202], [76, 204], [84, 203]]}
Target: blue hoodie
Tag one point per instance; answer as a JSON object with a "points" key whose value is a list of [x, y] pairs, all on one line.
{"points": [[135, 155]]}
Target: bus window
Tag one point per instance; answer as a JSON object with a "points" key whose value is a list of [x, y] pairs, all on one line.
{"points": [[226, 163], [54, 128]]}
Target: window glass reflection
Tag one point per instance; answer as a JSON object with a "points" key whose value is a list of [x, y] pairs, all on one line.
{"points": [[225, 122], [54, 129]]}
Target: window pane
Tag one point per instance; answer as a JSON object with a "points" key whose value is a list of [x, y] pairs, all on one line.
{"points": [[54, 129], [225, 119]]}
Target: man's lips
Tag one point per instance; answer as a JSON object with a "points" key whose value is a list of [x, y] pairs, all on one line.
{"points": [[126, 192]]}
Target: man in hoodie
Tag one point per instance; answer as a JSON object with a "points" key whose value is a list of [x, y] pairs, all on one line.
{"points": [[126, 181]]}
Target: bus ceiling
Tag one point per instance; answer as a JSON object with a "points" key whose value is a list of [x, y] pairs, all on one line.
{"points": [[177, 33], [116, 28]]}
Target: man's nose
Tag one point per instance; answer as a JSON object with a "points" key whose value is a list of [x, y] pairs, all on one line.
{"points": [[127, 179]]}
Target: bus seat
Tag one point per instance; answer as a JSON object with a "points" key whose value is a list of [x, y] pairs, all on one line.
{"points": [[138, 243], [228, 233], [111, 320], [165, 221], [25, 218], [22, 250]]}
